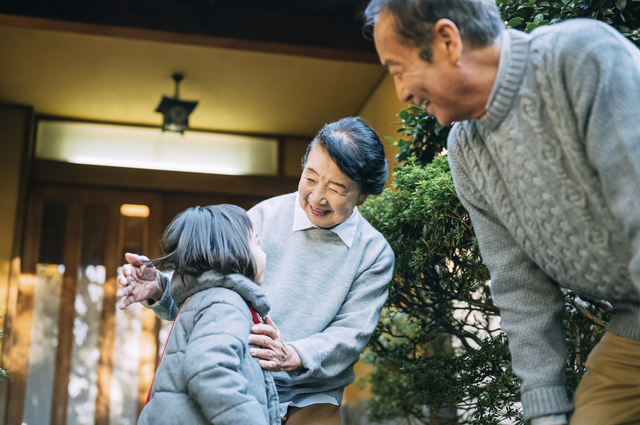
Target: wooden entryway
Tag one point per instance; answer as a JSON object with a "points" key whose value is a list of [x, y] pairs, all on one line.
{"points": [[75, 358]]}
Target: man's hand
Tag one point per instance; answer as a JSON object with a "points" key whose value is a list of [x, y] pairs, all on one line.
{"points": [[275, 354], [139, 280]]}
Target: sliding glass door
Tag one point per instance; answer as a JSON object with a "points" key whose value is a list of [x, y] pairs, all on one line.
{"points": [[87, 362]]}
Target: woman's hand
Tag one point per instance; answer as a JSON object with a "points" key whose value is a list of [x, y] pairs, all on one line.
{"points": [[139, 280], [275, 354]]}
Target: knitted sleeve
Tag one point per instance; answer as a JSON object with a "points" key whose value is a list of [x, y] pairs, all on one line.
{"points": [[165, 308], [331, 352], [604, 87], [531, 305]]}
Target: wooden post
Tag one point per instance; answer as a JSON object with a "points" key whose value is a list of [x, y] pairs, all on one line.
{"points": [[64, 350]]}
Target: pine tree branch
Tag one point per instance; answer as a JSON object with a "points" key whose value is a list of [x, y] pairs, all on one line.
{"points": [[599, 304], [584, 311]]}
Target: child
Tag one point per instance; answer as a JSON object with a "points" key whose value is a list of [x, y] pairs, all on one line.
{"points": [[206, 375]]}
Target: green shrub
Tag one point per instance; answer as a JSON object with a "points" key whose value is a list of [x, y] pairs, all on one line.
{"points": [[623, 15]]}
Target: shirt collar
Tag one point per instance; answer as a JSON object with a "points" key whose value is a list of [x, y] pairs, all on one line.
{"points": [[345, 230]]}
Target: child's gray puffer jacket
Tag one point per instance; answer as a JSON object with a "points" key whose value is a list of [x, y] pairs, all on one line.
{"points": [[207, 375]]}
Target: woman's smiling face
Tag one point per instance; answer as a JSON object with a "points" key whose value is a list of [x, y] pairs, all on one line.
{"points": [[327, 195]]}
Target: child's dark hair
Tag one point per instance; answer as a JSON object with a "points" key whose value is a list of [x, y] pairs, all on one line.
{"points": [[215, 238]]}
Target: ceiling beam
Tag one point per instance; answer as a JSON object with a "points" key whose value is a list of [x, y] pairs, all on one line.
{"points": [[44, 171], [283, 31]]}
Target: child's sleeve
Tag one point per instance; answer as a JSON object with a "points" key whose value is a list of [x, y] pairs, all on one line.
{"points": [[165, 308], [212, 362]]}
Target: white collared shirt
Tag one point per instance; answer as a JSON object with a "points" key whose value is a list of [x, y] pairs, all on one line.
{"points": [[345, 230]]}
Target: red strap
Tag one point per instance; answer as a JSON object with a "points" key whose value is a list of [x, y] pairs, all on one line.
{"points": [[165, 348], [254, 315]]}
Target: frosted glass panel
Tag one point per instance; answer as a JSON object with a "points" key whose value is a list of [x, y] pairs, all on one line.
{"points": [[136, 147], [44, 340], [84, 363], [123, 408]]}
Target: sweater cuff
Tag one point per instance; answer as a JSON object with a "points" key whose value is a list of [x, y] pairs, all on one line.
{"points": [[550, 420], [165, 302], [545, 401], [309, 358]]}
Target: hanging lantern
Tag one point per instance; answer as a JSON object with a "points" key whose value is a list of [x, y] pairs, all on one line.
{"points": [[175, 111]]}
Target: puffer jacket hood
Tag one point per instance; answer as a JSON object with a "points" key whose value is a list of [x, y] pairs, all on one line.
{"points": [[181, 289]]}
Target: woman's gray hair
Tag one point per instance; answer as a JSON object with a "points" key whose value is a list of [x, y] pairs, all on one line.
{"points": [[357, 151], [478, 21]]}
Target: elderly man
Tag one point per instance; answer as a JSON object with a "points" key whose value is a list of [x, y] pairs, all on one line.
{"points": [[545, 155]]}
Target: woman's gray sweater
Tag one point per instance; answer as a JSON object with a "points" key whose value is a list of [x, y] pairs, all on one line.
{"points": [[551, 178]]}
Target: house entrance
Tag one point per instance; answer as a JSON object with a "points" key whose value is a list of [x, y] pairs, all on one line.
{"points": [[77, 358]]}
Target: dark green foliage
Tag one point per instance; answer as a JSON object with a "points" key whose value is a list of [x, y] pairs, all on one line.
{"points": [[623, 15], [422, 136]]}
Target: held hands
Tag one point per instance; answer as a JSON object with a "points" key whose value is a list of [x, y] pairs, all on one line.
{"points": [[275, 354], [139, 280]]}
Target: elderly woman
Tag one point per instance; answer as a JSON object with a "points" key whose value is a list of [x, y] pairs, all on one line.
{"points": [[326, 277]]}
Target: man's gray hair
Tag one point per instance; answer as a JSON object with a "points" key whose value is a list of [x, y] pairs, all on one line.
{"points": [[478, 21]]}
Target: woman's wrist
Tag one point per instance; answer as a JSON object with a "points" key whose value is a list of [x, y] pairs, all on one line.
{"points": [[293, 360]]}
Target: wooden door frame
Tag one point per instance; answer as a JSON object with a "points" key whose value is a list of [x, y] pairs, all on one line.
{"points": [[10, 314], [19, 346]]}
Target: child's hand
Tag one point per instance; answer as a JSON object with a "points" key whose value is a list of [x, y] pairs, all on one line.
{"points": [[139, 281], [275, 354]]}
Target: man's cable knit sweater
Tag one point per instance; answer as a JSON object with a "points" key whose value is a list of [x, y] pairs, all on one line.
{"points": [[551, 178]]}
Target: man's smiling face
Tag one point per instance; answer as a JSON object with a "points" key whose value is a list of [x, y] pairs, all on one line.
{"points": [[428, 84]]}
